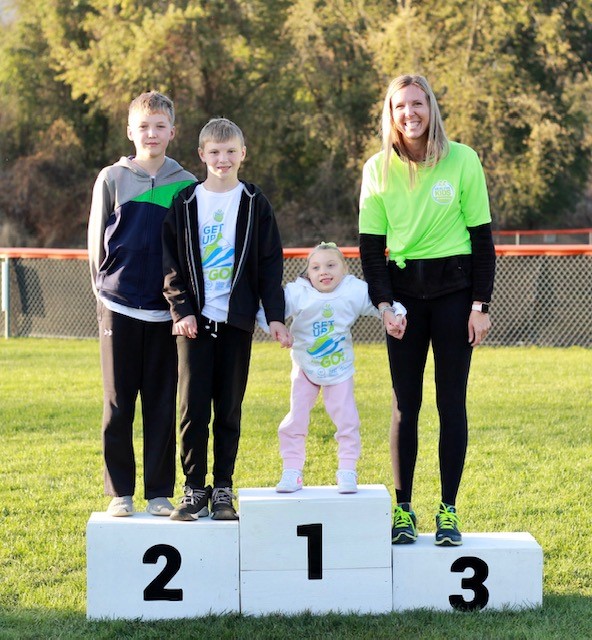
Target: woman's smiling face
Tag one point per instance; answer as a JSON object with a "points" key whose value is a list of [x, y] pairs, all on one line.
{"points": [[411, 115]]}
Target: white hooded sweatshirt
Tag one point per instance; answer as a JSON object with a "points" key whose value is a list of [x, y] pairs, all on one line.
{"points": [[322, 324]]}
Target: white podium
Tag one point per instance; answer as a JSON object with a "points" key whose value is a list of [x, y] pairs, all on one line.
{"points": [[315, 550], [489, 571], [154, 568]]}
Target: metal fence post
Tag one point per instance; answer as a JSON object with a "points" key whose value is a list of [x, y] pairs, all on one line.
{"points": [[6, 295]]}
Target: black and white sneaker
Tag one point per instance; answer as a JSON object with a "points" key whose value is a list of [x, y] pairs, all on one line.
{"points": [[193, 505], [222, 507]]}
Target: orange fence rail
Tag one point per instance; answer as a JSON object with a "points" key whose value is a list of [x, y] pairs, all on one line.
{"points": [[348, 252]]}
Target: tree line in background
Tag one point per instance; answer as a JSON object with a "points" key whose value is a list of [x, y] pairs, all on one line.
{"points": [[305, 80]]}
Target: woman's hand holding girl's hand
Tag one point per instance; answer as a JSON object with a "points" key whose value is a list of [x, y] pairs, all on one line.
{"points": [[395, 325]]}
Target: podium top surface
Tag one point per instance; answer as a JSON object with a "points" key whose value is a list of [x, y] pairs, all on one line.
{"points": [[473, 541], [141, 518], [318, 494]]}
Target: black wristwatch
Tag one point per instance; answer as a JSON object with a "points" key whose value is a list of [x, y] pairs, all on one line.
{"points": [[480, 306]]}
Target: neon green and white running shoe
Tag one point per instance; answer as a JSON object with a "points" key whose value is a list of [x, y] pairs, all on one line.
{"points": [[404, 524], [447, 527]]}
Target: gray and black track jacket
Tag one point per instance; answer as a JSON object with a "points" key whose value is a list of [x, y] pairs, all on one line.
{"points": [[125, 231]]}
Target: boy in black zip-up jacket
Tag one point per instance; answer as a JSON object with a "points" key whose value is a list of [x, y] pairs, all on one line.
{"points": [[138, 355], [222, 256]]}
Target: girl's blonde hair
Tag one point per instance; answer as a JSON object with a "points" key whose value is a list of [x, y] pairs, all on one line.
{"points": [[437, 145], [323, 246]]}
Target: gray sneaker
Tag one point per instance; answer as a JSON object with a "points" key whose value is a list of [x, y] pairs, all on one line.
{"points": [[222, 508], [121, 506], [193, 505], [159, 507]]}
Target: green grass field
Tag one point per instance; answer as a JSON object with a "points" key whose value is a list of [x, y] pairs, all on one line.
{"points": [[529, 468]]}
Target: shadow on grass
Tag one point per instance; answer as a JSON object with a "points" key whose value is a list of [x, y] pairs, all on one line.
{"points": [[560, 617]]}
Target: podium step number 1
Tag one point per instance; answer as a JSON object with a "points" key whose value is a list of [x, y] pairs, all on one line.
{"points": [[315, 550]]}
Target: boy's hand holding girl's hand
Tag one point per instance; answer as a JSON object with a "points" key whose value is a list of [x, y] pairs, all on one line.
{"points": [[280, 333], [187, 327]]}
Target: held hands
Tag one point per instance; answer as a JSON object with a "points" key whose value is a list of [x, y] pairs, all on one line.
{"points": [[395, 325], [187, 327], [280, 333], [479, 325]]}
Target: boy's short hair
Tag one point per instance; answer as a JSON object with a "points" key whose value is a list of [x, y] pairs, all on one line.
{"points": [[220, 130], [153, 102]]}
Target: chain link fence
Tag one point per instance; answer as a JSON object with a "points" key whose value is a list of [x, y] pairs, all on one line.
{"points": [[542, 299]]}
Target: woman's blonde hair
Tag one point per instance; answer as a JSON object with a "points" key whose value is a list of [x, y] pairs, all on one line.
{"points": [[437, 145]]}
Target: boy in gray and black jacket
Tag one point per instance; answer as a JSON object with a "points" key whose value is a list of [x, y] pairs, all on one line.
{"points": [[130, 200], [222, 257]]}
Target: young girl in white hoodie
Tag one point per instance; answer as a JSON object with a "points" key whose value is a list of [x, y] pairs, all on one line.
{"points": [[324, 303]]}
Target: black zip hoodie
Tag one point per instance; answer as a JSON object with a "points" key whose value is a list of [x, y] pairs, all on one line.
{"points": [[258, 267]]}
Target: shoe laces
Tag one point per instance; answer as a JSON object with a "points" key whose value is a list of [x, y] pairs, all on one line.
{"points": [[225, 496], [402, 518], [192, 496], [448, 518]]}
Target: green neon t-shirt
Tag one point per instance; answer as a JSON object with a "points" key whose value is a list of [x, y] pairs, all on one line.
{"points": [[430, 220]]}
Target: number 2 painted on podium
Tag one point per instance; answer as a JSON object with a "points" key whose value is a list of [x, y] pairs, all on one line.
{"points": [[314, 533], [156, 589]]}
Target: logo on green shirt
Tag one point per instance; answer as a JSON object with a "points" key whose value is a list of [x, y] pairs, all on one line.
{"points": [[443, 192]]}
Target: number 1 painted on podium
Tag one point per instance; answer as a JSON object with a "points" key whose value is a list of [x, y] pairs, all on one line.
{"points": [[314, 533]]}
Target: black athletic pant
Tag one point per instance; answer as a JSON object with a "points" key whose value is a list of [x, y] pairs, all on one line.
{"points": [[138, 357], [442, 321], [213, 371]]}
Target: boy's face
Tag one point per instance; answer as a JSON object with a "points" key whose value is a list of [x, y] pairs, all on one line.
{"points": [[325, 270], [223, 159], [150, 133]]}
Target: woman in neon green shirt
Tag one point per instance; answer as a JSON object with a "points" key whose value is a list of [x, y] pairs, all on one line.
{"points": [[424, 198]]}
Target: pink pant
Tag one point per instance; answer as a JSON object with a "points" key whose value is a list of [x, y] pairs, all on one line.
{"points": [[341, 407]]}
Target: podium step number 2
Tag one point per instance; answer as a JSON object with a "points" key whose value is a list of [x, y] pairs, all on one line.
{"points": [[154, 568]]}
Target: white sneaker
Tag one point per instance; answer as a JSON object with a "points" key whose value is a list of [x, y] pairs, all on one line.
{"points": [[159, 507], [291, 481], [121, 506], [347, 481]]}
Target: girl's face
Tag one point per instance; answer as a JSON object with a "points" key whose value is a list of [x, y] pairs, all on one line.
{"points": [[411, 115], [325, 270]]}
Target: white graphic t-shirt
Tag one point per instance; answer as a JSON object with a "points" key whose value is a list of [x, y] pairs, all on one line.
{"points": [[217, 236]]}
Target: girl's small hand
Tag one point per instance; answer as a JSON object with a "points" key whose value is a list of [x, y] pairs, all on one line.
{"points": [[280, 333], [395, 325]]}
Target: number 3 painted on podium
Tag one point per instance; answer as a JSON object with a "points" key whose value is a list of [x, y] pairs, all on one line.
{"points": [[475, 583]]}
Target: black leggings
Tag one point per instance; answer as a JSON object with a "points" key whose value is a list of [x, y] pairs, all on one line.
{"points": [[442, 321]]}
